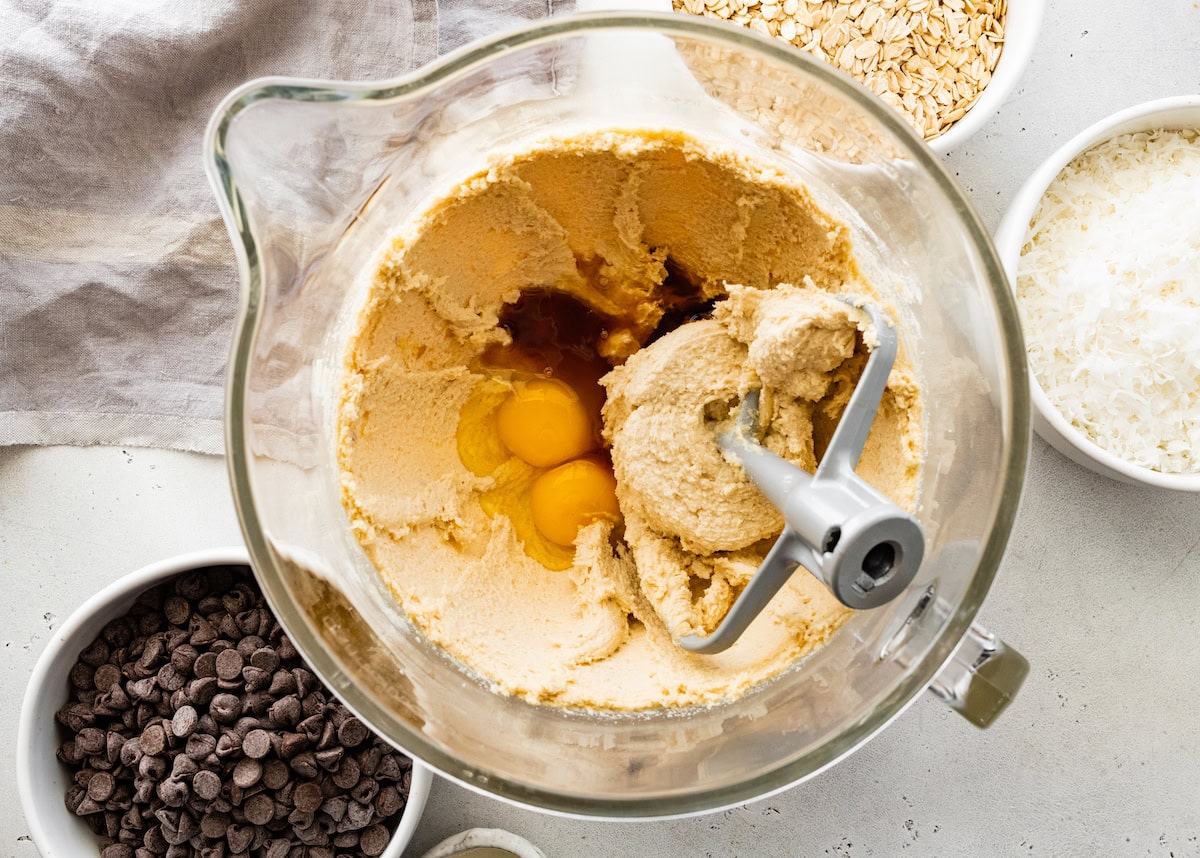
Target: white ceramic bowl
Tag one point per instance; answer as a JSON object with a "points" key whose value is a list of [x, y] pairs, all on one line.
{"points": [[472, 839], [1170, 113], [42, 781], [1022, 22]]}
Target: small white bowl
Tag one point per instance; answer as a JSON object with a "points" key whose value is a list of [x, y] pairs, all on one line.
{"points": [[1022, 21], [42, 781], [1169, 113], [484, 838]]}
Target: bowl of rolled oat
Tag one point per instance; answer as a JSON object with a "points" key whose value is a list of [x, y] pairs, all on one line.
{"points": [[945, 65], [170, 715]]}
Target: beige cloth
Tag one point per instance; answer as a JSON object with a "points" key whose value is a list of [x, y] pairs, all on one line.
{"points": [[118, 286]]}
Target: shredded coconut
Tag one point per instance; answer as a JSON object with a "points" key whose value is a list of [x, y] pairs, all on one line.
{"points": [[1109, 293]]}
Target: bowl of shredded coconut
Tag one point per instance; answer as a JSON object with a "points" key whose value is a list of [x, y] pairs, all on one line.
{"points": [[1102, 246]]}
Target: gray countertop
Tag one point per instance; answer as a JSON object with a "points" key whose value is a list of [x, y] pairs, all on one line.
{"points": [[1100, 754]]}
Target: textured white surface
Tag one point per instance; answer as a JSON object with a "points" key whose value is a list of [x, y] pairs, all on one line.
{"points": [[1100, 755]]}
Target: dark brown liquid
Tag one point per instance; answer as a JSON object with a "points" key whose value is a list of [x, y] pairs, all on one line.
{"points": [[682, 299], [551, 326]]}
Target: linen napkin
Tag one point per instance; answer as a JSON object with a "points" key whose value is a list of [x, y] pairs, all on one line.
{"points": [[118, 286]]}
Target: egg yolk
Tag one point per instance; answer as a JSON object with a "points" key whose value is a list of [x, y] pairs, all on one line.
{"points": [[545, 423], [573, 495]]}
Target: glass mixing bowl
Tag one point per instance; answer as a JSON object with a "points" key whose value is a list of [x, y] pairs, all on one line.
{"points": [[314, 176]]}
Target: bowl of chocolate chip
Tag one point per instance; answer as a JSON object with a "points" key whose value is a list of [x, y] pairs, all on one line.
{"points": [[170, 715]]}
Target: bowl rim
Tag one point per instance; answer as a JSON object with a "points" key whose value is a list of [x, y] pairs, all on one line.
{"points": [[1014, 60], [1016, 430], [1010, 238], [41, 816]]}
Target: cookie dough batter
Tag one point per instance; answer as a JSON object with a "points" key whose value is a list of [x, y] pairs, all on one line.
{"points": [[646, 282]]}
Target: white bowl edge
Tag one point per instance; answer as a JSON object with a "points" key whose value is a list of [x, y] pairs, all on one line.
{"points": [[1172, 112], [1020, 36], [477, 838], [42, 781]]}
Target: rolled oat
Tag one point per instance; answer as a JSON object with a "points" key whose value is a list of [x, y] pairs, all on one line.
{"points": [[929, 59]]}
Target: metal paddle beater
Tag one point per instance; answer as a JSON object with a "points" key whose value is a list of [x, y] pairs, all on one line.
{"points": [[854, 540]]}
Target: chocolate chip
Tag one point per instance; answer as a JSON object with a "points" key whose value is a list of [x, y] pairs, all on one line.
{"points": [[237, 600], [347, 773], [202, 632], [225, 708], [242, 727], [114, 743], [247, 772], [206, 784], [96, 653], [152, 655], [335, 807], [256, 744], [183, 657], [365, 790], [286, 711], [346, 840], [287, 652], [373, 840], [275, 774], [144, 690], [193, 586], [229, 629], [201, 691], [100, 786], [214, 824], [170, 679], [258, 702], [352, 733], [388, 802], [304, 764], [173, 792], [183, 723], [389, 769], [229, 746], [308, 797], [229, 664], [68, 753], [183, 767], [90, 741], [305, 681], [357, 816], [328, 737], [177, 610], [153, 740], [80, 675], [248, 623], [239, 837], [105, 677], [255, 679], [119, 632], [205, 665], [154, 840], [118, 698], [311, 727], [265, 659], [74, 716], [329, 759], [369, 759], [259, 809], [200, 745], [282, 683]]}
